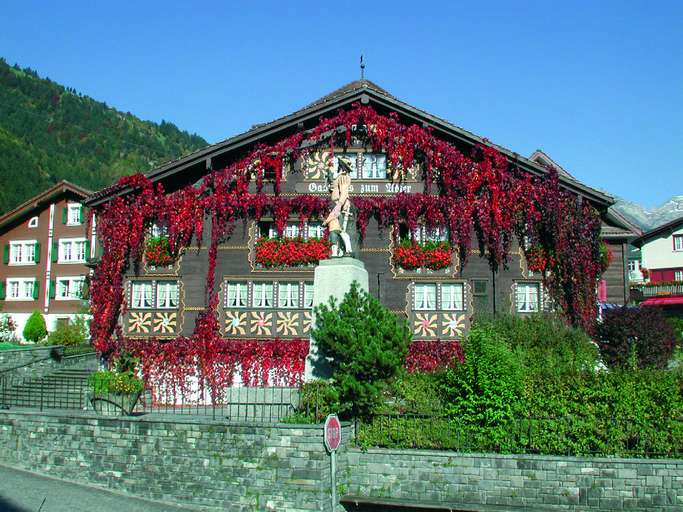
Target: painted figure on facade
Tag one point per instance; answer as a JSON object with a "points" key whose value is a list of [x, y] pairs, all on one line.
{"points": [[339, 193]]}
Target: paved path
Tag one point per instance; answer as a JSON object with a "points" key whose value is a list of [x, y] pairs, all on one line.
{"points": [[21, 491]]}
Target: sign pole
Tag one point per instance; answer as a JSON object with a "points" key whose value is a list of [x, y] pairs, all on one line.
{"points": [[332, 437]]}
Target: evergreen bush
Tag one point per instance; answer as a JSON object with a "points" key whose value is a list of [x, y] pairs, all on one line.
{"points": [[35, 329], [365, 344]]}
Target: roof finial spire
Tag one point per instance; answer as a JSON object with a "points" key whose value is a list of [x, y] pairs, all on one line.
{"points": [[362, 67]]}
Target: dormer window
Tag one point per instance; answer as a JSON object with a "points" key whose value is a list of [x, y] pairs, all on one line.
{"points": [[33, 223]]}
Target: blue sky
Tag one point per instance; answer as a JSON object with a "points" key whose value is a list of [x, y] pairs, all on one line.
{"points": [[598, 85]]}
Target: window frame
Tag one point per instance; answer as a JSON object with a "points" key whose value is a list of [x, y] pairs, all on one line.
{"points": [[164, 284], [33, 222], [24, 244], [425, 297], [528, 285], [307, 287], [263, 295], [152, 295], [293, 288], [78, 208], [678, 275], [678, 247], [69, 280], [62, 242], [240, 285], [21, 286], [443, 287]]}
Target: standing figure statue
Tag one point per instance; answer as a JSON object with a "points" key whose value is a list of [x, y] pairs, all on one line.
{"points": [[339, 193]]}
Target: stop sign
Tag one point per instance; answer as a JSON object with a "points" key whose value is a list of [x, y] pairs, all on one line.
{"points": [[332, 432]]}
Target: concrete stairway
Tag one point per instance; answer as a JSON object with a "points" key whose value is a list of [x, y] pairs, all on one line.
{"points": [[65, 388]]}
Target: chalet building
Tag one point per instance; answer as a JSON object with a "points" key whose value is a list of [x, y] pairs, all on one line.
{"points": [[618, 233], [263, 302], [661, 253], [45, 247]]}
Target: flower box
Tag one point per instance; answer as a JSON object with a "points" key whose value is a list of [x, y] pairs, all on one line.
{"points": [[410, 255], [158, 252], [294, 252]]}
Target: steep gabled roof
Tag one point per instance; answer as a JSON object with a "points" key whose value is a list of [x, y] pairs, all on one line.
{"points": [[41, 199], [363, 91], [541, 157], [660, 232], [618, 226]]}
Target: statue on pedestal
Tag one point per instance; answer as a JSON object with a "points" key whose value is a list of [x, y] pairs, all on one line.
{"points": [[339, 193]]}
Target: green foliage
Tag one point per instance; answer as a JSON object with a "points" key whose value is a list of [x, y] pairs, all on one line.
{"points": [[7, 330], [49, 133], [416, 393], [545, 344], [366, 345], [74, 332], [35, 329], [486, 388], [104, 382], [636, 338], [317, 399]]}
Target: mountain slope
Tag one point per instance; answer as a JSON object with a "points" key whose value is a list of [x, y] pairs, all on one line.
{"points": [[650, 219], [49, 132]]}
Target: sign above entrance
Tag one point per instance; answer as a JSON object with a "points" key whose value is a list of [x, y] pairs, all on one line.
{"points": [[363, 187]]}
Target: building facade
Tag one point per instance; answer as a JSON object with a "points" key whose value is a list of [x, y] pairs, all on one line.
{"points": [[262, 300], [661, 253], [45, 249]]}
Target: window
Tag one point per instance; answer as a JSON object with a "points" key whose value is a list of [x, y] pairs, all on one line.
{"points": [[33, 223], [237, 295], [69, 288], [263, 295], [431, 235], [23, 252], [425, 296], [374, 166], [633, 265], [74, 214], [452, 297], [678, 242], [288, 295], [308, 295], [678, 275], [292, 230], [527, 297], [315, 230], [167, 294], [72, 250], [157, 231], [142, 296], [22, 289]]}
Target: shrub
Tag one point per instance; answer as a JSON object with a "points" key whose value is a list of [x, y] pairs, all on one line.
{"points": [[545, 344], [35, 329], [365, 343], [486, 388], [75, 332], [636, 338], [317, 399], [104, 382], [7, 329], [414, 392]]}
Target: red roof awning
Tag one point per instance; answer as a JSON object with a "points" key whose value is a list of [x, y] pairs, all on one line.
{"points": [[662, 301]]}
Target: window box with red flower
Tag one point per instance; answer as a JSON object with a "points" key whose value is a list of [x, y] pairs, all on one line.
{"points": [[431, 255], [158, 252], [290, 252]]}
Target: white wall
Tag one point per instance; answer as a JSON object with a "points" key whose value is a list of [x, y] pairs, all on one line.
{"points": [[659, 253]]}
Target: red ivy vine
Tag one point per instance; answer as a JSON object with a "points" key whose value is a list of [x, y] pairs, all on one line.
{"points": [[482, 193]]}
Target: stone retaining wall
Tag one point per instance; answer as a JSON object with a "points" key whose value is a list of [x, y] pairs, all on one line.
{"points": [[233, 466], [525, 481], [207, 463], [15, 358]]}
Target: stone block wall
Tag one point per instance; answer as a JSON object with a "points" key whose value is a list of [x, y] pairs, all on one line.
{"points": [[16, 358], [524, 481], [210, 464]]}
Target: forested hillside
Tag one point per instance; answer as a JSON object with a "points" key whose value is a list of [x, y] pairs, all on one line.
{"points": [[49, 132]]}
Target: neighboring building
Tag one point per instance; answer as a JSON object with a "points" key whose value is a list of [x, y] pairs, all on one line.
{"points": [[263, 303], [661, 251], [45, 248], [616, 232]]}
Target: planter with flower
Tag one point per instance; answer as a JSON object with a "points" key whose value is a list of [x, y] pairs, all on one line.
{"points": [[414, 256], [116, 392], [606, 256], [158, 252], [290, 252]]}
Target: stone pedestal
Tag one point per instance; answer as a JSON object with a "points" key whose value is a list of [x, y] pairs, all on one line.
{"points": [[332, 278]]}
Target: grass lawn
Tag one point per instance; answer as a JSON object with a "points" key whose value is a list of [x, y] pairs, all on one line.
{"points": [[11, 346]]}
